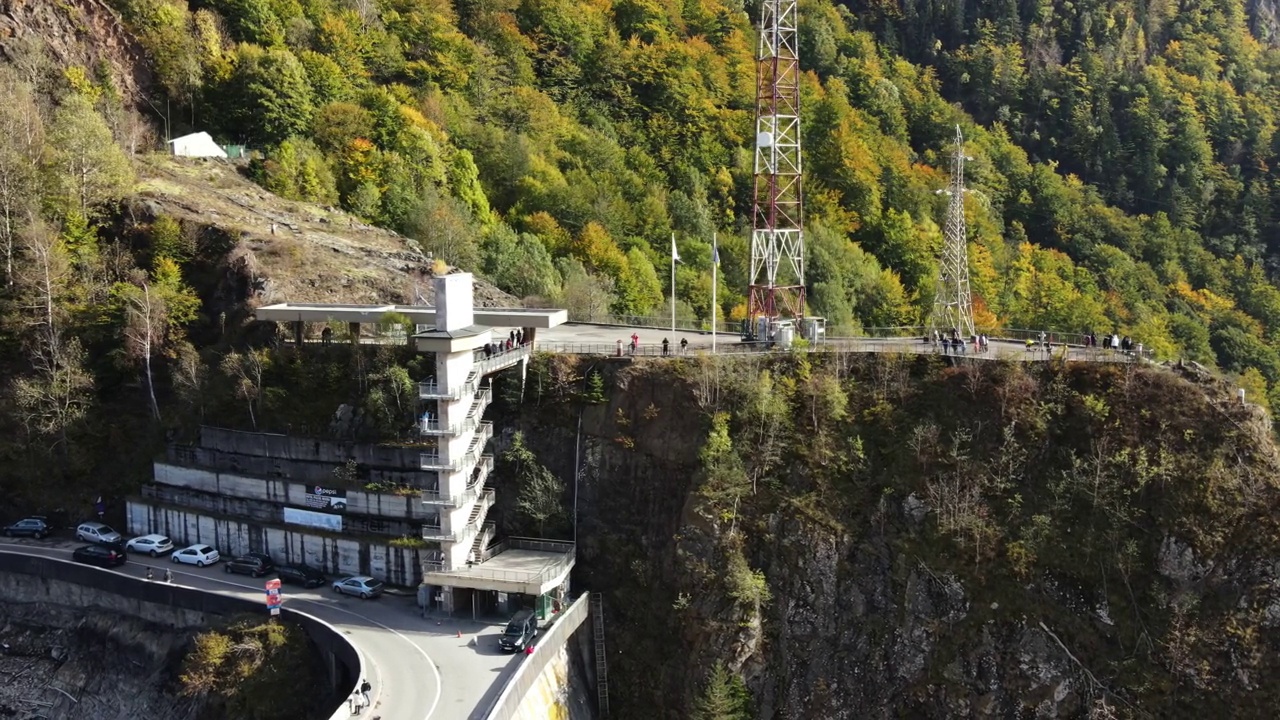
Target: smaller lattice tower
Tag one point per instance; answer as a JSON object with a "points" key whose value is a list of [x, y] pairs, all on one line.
{"points": [[953, 303]]}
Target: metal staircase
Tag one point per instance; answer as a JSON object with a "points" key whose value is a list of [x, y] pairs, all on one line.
{"points": [[602, 673]]}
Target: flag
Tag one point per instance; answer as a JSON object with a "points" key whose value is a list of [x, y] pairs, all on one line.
{"points": [[675, 254]]}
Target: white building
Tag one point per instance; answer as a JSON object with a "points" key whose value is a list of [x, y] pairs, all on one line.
{"points": [[469, 560], [199, 144]]}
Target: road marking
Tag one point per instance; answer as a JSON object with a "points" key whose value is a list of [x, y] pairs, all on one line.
{"points": [[430, 664]]}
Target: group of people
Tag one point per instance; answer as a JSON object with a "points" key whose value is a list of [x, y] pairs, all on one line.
{"points": [[514, 340], [1113, 342], [954, 344], [666, 345], [359, 699], [168, 575]]}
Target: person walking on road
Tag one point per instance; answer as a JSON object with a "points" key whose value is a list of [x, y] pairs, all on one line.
{"points": [[168, 575], [149, 575], [365, 687], [354, 702]]}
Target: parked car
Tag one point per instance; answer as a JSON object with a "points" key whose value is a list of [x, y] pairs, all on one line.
{"points": [[198, 555], [520, 632], [153, 545], [254, 564], [307, 577], [96, 532], [362, 586], [103, 557], [35, 526]]}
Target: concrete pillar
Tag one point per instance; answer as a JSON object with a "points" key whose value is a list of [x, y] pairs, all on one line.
{"points": [[529, 335], [354, 329], [524, 375], [298, 326], [446, 600]]}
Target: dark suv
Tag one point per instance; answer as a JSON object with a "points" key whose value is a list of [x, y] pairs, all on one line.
{"points": [[35, 526], [307, 577], [255, 564], [520, 632]]}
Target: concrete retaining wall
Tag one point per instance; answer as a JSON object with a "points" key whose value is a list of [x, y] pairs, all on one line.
{"points": [[288, 493], [333, 555], [310, 450], [32, 579], [272, 512], [554, 682]]}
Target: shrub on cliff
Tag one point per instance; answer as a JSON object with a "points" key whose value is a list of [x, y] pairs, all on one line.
{"points": [[239, 669]]}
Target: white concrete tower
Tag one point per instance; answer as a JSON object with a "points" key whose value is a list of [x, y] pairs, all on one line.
{"points": [[461, 436]]}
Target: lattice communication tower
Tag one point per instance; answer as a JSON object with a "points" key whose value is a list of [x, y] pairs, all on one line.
{"points": [[777, 236], [953, 303]]}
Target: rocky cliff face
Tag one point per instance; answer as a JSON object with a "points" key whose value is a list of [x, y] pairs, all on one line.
{"points": [[84, 33], [879, 537], [1264, 20]]}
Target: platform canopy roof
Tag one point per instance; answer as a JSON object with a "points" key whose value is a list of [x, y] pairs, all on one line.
{"points": [[542, 318]]}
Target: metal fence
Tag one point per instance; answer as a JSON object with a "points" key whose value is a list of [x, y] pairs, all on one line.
{"points": [[897, 331], [506, 705], [1002, 348]]}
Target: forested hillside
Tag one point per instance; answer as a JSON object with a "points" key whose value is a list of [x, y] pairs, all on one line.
{"points": [[1123, 151], [1123, 158]]}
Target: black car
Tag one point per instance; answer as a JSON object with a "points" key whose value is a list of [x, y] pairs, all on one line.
{"points": [[34, 526], [100, 555], [255, 564], [307, 577], [520, 632]]}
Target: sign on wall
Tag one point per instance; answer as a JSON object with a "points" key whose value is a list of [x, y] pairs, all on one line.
{"points": [[323, 498], [273, 596], [324, 521]]}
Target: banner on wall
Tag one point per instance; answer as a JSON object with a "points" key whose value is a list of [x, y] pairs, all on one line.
{"points": [[310, 518], [323, 498]]}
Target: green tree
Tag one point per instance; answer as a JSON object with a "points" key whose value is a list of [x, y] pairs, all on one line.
{"points": [[297, 170], [518, 263], [329, 82], [336, 124], [21, 149], [268, 97], [252, 21], [725, 696], [540, 494], [85, 165]]}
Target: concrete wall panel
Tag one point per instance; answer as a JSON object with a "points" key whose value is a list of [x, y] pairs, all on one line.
{"points": [[336, 556], [288, 493]]}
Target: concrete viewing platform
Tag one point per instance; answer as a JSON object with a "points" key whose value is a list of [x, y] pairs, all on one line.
{"points": [[418, 314], [517, 565]]}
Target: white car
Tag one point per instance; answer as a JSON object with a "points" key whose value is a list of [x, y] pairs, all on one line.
{"points": [[96, 532], [152, 545], [198, 555]]}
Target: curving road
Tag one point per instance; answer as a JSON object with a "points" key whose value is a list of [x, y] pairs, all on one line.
{"points": [[391, 637]]}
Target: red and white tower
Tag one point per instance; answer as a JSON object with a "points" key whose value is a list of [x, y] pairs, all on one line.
{"points": [[777, 236]]}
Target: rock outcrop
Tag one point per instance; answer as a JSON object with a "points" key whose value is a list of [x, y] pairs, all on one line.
{"points": [[1121, 559]]}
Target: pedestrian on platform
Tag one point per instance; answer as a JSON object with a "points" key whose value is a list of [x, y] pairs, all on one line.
{"points": [[665, 347], [684, 345]]}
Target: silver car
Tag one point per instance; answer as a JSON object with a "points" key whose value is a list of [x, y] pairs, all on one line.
{"points": [[361, 586], [96, 532]]}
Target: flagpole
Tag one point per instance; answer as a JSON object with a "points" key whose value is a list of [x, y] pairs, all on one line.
{"points": [[673, 283], [715, 266]]}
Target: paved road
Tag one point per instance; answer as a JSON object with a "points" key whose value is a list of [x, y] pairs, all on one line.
{"points": [[399, 648]]}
